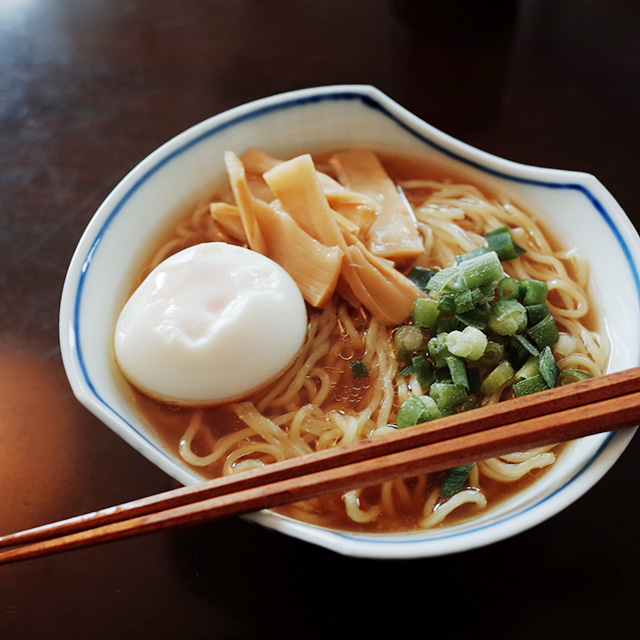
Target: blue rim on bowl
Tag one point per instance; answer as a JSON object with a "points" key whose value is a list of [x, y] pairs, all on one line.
{"points": [[331, 117]]}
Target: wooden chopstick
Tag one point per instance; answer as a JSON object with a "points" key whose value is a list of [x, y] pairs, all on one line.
{"points": [[583, 408]]}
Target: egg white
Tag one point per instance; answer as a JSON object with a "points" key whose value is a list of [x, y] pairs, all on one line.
{"points": [[210, 323]]}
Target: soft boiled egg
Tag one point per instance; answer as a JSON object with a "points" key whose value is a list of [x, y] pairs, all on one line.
{"points": [[211, 323]]}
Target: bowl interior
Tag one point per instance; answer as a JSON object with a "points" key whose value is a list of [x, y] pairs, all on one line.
{"points": [[187, 169]]}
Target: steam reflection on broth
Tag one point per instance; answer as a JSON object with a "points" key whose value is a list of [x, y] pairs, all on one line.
{"points": [[350, 245]]}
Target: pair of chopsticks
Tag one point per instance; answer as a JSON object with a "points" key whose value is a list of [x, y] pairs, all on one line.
{"points": [[583, 408]]}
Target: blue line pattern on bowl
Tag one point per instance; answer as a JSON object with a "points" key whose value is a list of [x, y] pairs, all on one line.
{"points": [[372, 103]]}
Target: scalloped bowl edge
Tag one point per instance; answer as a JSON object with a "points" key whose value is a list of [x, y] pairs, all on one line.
{"points": [[337, 116]]}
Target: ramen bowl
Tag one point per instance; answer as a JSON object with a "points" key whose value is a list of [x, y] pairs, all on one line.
{"points": [[141, 207]]}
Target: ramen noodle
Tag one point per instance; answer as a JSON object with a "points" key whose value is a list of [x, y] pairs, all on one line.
{"points": [[365, 234]]}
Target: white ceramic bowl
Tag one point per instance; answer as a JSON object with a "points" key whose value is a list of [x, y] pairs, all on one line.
{"points": [[143, 204]]}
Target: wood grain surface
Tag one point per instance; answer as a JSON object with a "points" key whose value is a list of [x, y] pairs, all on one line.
{"points": [[88, 88]]}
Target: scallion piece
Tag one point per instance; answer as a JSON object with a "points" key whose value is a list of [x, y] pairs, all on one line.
{"points": [[437, 349], [447, 395], [545, 333], [568, 376], [549, 369], [496, 231], [407, 370], [474, 253], [464, 301], [473, 376], [455, 480], [533, 291], [423, 370], [446, 281], [501, 241], [425, 313], [483, 294], [445, 323], [458, 372], [359, 369], [412, 411], [447, 304], [420, 277], [432, 409], [408, 338], [493, 354], [529, 369], [508, 288], [469, 343], [519, 348], [508, 317], [529, 385], [481, 270], [567, 344], [477, 317], [498, 379], [537, 312]]}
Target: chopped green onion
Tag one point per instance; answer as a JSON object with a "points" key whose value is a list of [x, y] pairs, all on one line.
{"points": [[407, 370], [464, 301], [447, 395], [443, 374], [481, 270], [519, 349], [508, 288], [508, 317], [501, 241], [478, 317], [420, 277], [408, 338], [423, 370], [545, 333], [569, 376], [437, 348], [549, 369], [469, 343], [473, 376], [447, 304], [432, 409], [359, 369], [474, 253], [483, 294], [529, 385], [496, 231], [446, 324], [529, 369], [455, 480], [533, 291], [493, 354], [537, 312], [498, 379], [458, 372], [412, 411], [425, 313], [446, 281]]}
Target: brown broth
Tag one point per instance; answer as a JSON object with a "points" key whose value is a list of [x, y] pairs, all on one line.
{"points": [[169, 422], [407, 516]]}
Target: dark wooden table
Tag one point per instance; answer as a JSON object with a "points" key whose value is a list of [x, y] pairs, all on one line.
{"points": [[87, 89]]}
